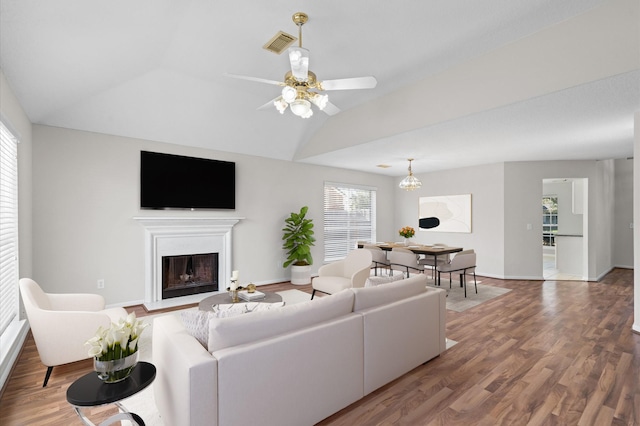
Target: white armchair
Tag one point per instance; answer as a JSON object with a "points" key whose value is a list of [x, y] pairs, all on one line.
{"points": [[62, 323], [353, 271]]}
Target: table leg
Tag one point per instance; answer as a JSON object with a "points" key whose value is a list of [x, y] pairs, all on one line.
{"points": [[123, 415]]}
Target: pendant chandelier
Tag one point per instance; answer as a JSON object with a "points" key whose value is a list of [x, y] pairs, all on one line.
{"points": [[410, 182]]}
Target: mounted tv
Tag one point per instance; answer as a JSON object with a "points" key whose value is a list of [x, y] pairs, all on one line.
{"points": [[177, 182]]}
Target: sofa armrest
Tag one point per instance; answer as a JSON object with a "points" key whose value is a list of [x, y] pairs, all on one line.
{"points": [[297, 378], [402, 335], [186, 384]]}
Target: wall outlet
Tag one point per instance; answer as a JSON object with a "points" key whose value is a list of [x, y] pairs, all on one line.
{"points": [[101, 283], [529, 227]]}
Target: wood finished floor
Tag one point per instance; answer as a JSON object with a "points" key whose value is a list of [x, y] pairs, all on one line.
{"points": [[546, 353]]}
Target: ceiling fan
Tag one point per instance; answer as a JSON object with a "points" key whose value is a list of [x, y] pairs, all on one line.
{"points": [[300, 86]]}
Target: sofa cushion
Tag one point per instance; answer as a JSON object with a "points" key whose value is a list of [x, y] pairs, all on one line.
{"points": [[196, 322], [375, 296], [228, 332]]}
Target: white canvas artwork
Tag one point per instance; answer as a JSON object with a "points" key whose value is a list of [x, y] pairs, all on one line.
{"points": [[453, 211]]}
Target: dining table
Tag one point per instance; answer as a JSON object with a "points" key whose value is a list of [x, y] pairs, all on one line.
{"points": [[434, 250]]}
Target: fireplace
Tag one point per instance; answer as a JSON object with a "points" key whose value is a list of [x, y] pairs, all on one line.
{"points": [[185, 236], [184, 275]]}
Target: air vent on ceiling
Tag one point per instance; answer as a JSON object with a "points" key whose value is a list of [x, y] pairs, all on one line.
{"points": [[279, 42]]}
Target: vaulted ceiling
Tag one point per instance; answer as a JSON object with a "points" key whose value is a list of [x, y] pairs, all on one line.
{"points": [[459, 82]]}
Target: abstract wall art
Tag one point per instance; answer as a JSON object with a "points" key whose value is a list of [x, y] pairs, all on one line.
{"points": [[453, 212]]}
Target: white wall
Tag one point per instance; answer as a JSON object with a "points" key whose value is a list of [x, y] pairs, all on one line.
{"points": [[623, 214], [86, 193], [486, 184], [602, 251], [636, 223], [523, 189], [505, 199]]}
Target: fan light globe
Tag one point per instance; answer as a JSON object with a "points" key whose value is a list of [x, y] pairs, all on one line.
{"points": [[280, 105], [301, 108], [320, 101], [289, 94]]}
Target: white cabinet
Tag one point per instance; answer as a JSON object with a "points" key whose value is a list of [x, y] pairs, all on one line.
{"points": [[569, 258]]}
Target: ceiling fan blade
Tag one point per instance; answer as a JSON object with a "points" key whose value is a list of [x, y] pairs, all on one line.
{"points": [[268, 105], [256, 79], [299, 59], [368, 82], [331, 109]]}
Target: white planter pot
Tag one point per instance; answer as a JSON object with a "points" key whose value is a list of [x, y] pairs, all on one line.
{"points": [[300, 275]]}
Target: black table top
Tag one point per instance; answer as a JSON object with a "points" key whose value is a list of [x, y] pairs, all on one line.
{"points": [[90, 391]]}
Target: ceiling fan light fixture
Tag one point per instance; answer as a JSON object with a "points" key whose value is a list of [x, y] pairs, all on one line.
{"points": [[301, 108], [410, 182], [320, 100], [289, 94], [280, 105], [299, 83]]}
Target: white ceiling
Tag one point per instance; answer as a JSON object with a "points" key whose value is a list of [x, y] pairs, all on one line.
{"points": [[459, 83]]}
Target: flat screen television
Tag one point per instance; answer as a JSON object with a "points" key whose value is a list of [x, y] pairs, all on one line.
{"points": [[177, 182]]}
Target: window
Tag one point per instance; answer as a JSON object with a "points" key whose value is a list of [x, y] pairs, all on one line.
{"points": [[349, 217], [8, 227], [549, 220]]}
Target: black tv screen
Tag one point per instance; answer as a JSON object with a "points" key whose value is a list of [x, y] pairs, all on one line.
{"points": [[174, 181]]}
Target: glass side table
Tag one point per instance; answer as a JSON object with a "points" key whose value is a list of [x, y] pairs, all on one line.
{"points": [[90, 391]]}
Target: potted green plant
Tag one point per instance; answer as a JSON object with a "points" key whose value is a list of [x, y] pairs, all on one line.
{"points": [[298, 239]]}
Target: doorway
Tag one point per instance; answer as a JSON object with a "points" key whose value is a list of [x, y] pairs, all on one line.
{"points": [[564, 229]]}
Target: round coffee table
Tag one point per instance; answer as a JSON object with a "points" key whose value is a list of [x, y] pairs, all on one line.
{"points": [[217, 299], [90, 391]]}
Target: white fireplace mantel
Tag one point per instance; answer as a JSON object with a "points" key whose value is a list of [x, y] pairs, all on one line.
{"points": [[173, 236]]}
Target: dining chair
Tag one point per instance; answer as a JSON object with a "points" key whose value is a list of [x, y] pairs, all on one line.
{"points": [[402, 259], [432, 262], [463, 262], [379, 257]]}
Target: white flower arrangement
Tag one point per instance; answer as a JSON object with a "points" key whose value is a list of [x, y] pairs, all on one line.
{"points": [[118, 341]]}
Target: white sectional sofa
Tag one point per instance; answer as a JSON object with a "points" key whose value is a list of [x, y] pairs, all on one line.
{"points": [[298, 364]]}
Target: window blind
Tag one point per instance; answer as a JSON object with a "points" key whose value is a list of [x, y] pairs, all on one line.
{"points": [[349, 217], [8, 227]]}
